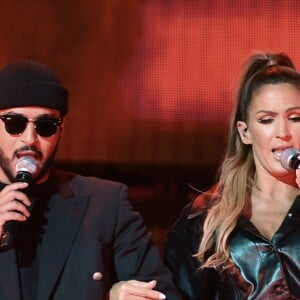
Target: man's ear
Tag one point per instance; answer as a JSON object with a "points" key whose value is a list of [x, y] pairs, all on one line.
{"points": [[243, 131], [61, 128]]}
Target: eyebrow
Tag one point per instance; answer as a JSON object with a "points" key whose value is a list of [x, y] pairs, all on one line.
{"points": [[45, 115]]}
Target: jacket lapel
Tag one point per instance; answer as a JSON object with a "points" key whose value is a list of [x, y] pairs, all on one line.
{"points": [[64, 217], [9, 281]]}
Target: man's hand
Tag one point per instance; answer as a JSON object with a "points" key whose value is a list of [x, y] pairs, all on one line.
{"points": [[135, 290], [13, 204]]}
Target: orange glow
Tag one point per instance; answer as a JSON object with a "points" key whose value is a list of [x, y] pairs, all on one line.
{"points": [[187, 61]]}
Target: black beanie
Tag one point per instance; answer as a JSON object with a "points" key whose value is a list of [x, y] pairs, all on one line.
{"points": [[31, 83]]}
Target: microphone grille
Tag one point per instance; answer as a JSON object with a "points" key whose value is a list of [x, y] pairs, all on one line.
{"points": [[286, 157], [27, 164]]}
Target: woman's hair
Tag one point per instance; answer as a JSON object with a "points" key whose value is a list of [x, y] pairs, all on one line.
{"points": [[237, 172]]}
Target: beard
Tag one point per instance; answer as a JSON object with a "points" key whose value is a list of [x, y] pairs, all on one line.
{"points": [[44, 170]]}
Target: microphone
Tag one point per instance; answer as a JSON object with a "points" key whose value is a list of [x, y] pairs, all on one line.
{"points": [[26, 168], [290, 159]]}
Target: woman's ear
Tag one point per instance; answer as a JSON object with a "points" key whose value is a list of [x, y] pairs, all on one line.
{"points": [[243, 131]]}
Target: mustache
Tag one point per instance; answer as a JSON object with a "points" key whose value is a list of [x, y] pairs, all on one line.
{"points": [[33, 149]]}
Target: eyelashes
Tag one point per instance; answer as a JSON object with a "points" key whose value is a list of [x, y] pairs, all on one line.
{"points": [[270, 120]]}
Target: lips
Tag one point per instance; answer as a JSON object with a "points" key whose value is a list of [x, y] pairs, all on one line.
{"points": [[31, 153]]}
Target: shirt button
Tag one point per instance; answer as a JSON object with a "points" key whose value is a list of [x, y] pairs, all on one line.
{"points": [[97, 276], [279, 290]]}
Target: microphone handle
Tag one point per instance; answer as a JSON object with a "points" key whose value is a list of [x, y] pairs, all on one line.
{"points": [[294, 162], [9, 235], [24, 176]]}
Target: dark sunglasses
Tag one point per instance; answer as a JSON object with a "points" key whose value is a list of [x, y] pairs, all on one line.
{"points": [[15, 124]]}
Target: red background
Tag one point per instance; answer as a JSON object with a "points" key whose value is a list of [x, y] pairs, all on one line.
{"points": [[151, 82]]}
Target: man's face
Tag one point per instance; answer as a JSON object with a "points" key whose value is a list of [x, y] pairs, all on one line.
{"points": [[29, 142]]}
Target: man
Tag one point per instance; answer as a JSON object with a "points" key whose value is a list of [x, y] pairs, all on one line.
{"points": [[62, 235]]}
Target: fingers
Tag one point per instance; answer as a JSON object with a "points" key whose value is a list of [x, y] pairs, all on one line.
{"points": [[135, 290], [298, 177], [143, 289], [13, 204]]}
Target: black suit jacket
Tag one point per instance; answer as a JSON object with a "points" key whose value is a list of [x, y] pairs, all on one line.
{"points": [[93, 239]]}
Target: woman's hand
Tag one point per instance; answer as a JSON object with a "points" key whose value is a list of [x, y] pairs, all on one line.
{"points": [[135, 290]]}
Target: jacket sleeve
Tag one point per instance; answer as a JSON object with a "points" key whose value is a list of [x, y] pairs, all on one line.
{"points": [[136, 257], [181, 244]]}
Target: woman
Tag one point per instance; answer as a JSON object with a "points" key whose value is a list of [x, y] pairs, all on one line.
{"points": [[241, 239]]}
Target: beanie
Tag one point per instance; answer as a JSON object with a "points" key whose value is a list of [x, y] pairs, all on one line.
{"points": [[31, 83]]}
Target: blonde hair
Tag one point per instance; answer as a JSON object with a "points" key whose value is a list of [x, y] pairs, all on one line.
{"points": [[237, 172]]}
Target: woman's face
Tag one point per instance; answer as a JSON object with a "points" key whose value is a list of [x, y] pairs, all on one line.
{"points": [[273, 125]]}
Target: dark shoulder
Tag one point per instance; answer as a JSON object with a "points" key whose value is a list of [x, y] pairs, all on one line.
{"points": [[188, 228], [87, 184], [202, 203]]}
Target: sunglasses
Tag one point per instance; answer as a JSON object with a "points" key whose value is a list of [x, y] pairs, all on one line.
{"points": [[15, 124]]}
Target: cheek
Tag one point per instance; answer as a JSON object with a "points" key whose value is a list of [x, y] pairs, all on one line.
{"points": [[296, 133], [49, 146], [262, 143], [261, 134], [8, 145], [259, 144]]}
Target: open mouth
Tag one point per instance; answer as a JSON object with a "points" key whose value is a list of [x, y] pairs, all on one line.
{"points": [[31, 153], [278, 152]]}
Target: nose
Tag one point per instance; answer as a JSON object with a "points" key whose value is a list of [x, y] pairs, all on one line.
{"points": [[283, 131], [29, 136]]}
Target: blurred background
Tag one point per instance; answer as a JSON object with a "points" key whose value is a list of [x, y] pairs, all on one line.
{"points": [[151, 84]]}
